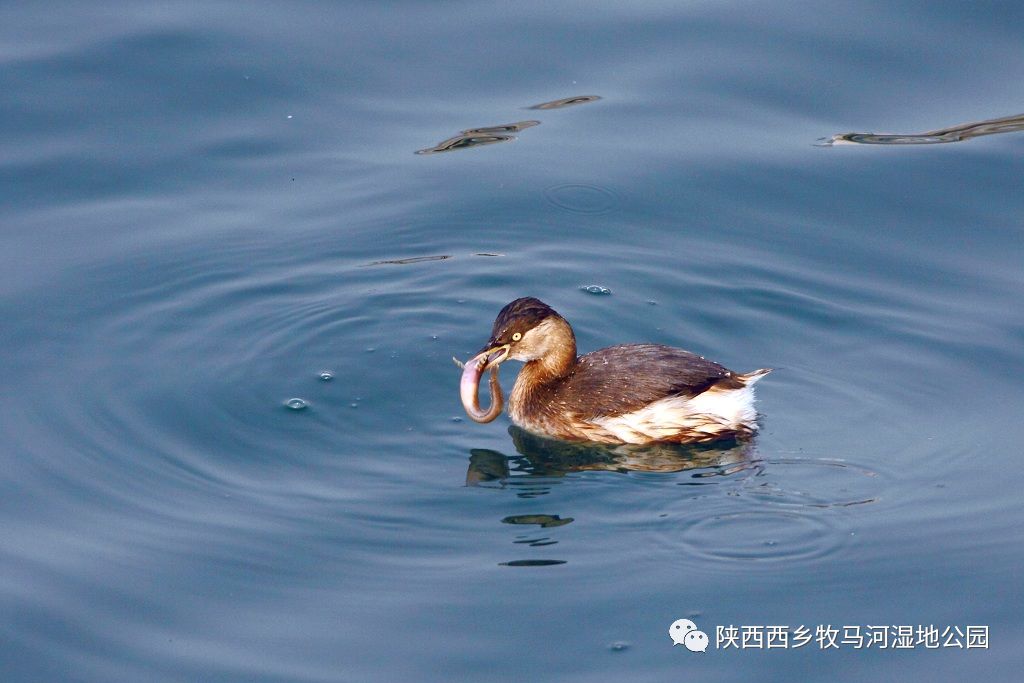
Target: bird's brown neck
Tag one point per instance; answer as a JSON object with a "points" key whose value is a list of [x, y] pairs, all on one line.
{"points": [[556, 362]]}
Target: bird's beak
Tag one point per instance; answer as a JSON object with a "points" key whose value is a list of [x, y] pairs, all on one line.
{"points": [[492, 355]]}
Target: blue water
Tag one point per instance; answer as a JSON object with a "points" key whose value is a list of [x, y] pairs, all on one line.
{"points": [[205, 206]]}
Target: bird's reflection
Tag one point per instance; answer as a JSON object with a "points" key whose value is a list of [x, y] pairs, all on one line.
{"points": [[542, 462]]}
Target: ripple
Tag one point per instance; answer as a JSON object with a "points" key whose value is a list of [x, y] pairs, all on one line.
{"points": [[475, 137], [504, 128], [465, 142], [760, 536], [815, 482], [965, 131], [531, 563], [581, 198], [411, 259], [567, 102], [545, 521]]}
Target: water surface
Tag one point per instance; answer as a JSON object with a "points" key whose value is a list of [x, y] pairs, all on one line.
{"points": [[207, 207]]}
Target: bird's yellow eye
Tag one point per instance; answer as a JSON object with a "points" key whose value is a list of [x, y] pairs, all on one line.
{"points": [[516, 336]]}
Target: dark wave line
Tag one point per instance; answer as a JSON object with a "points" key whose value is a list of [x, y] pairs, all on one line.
{"points": [[965, 131]]}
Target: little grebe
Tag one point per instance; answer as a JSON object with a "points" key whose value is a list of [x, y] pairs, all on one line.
{"points": [[631, 393]]}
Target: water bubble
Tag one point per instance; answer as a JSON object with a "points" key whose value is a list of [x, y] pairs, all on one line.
{"points": [[296, 404], [326, 375], [618, 646], [596, 289], [456, 419], [353, 405]]}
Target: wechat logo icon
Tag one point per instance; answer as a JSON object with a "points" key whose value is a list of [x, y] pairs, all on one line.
{"points": [[685, 632]]}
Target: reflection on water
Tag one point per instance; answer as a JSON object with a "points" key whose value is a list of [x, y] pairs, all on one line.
{"points": [[775, 510], [542, 463], [966, 131], [566, 102], [489, 135], [546, 459], [422, 259], [503, 129], [544, 521], [475, 137], [411, 259]]}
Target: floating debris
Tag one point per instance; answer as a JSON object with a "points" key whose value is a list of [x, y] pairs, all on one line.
{"points": [[965, 131], [566, 102]]}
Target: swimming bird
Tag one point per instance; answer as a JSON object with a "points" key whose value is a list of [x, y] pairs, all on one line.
{"points": [[630, 393]]}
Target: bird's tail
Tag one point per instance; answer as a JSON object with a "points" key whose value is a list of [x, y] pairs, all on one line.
{"points": [[752, 377]]}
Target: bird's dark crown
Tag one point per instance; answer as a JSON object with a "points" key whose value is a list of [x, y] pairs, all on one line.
{"points": [[520, 316]]}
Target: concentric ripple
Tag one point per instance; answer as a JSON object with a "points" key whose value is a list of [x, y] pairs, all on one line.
{"points": [[760, 536], [815, 482], [582, 198]]}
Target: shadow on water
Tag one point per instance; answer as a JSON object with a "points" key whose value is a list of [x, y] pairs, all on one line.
{"points": [[965, 131]]}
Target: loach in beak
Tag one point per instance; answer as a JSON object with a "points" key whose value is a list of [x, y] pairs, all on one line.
{"points": [[469, 385]]}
